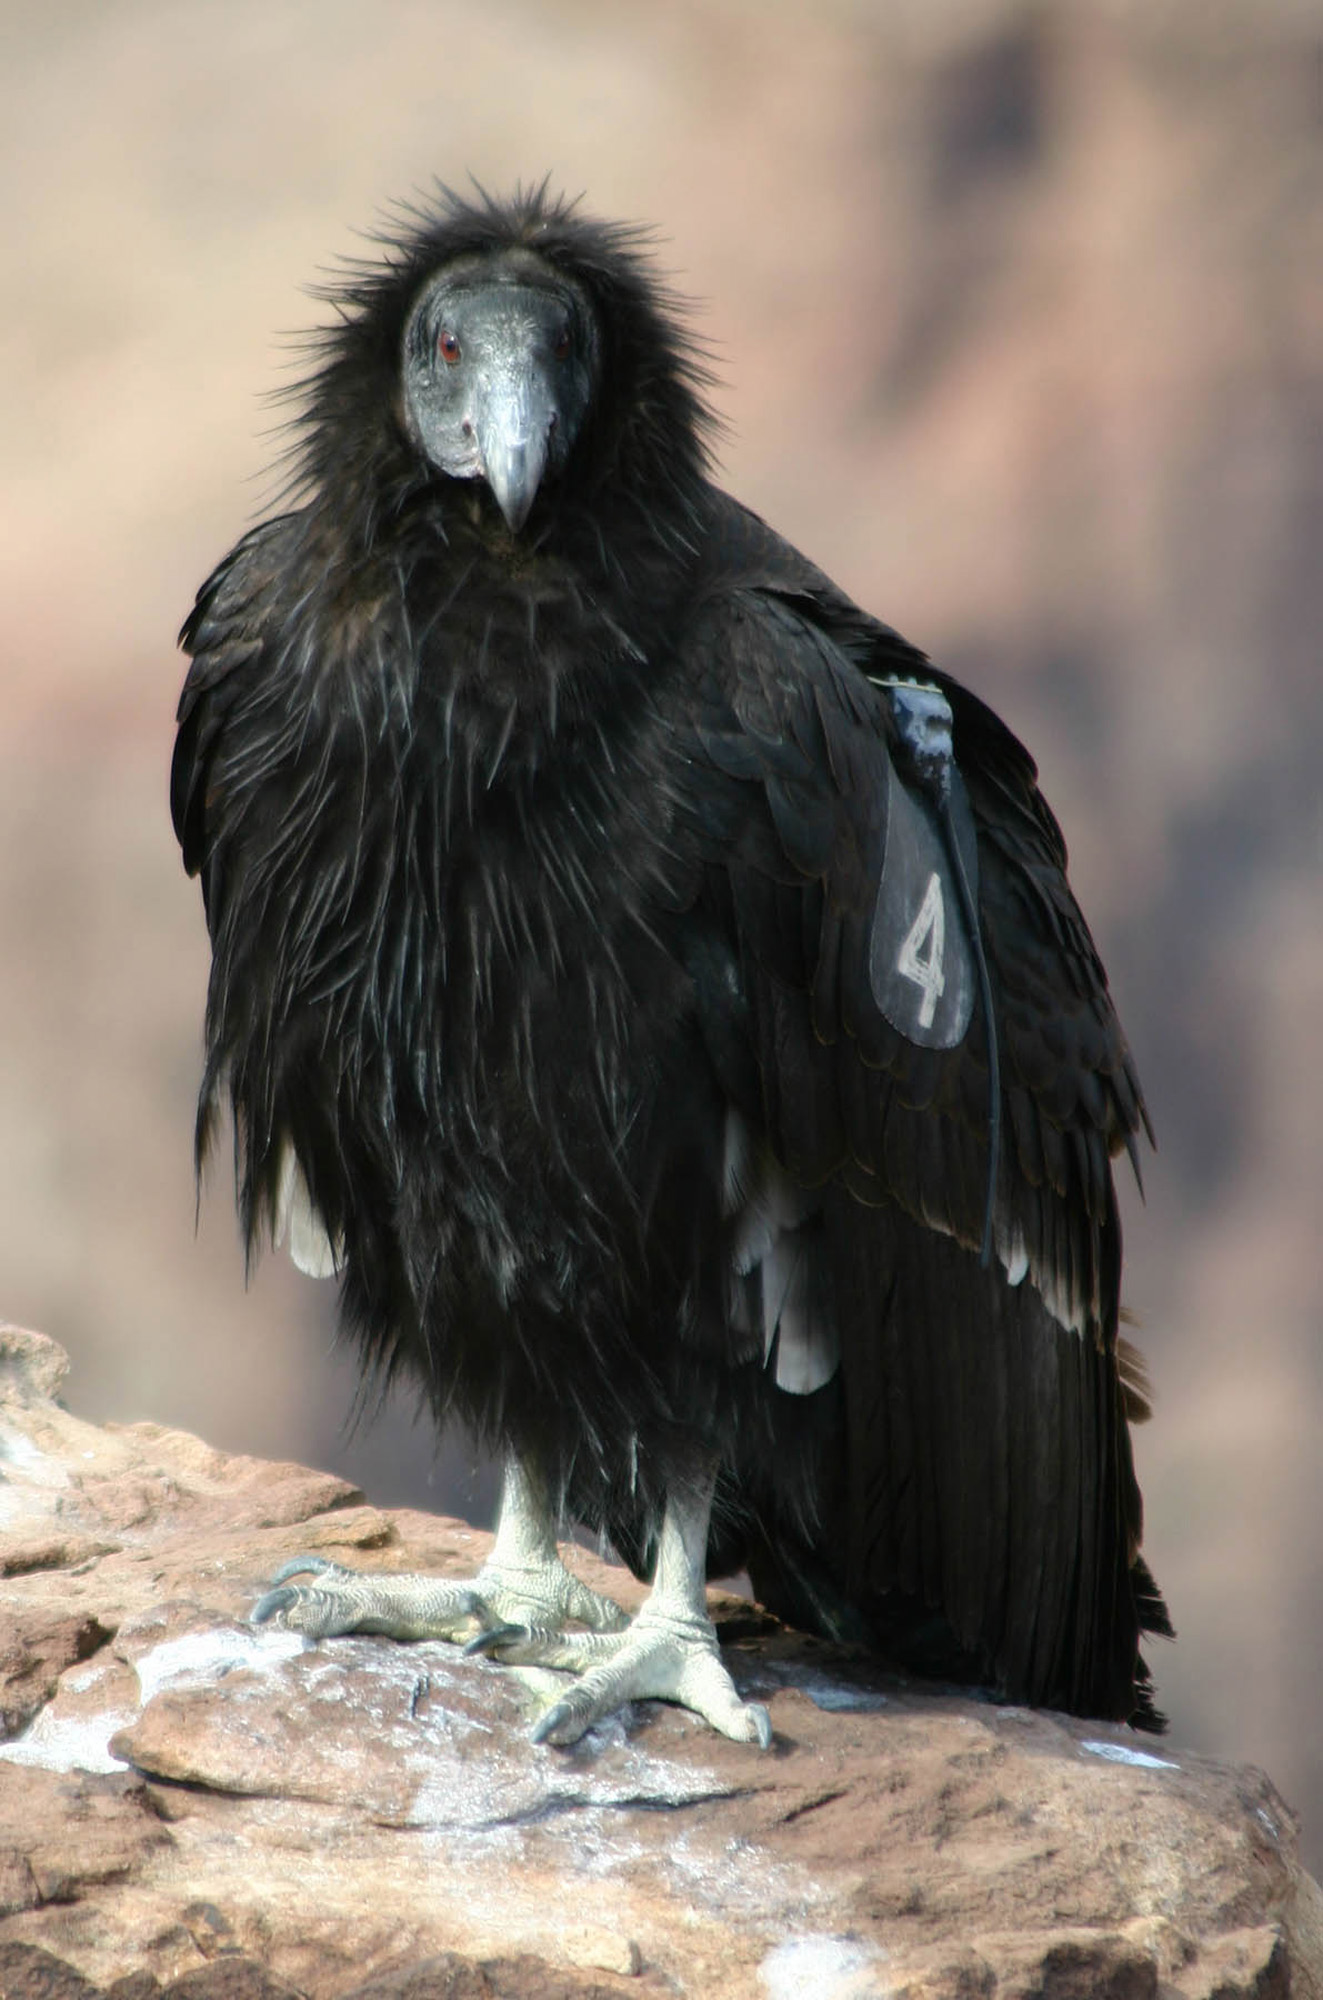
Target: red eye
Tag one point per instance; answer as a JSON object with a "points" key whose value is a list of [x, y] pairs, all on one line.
{"points": [[562, 348], [447, 347]]}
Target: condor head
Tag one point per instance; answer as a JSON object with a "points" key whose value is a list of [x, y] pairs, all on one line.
{"points": [[500, 368]]}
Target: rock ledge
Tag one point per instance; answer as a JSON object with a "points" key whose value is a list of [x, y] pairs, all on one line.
{"points": [[193, 1805]]}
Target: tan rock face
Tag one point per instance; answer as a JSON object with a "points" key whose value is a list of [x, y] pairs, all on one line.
{"points": [[187, 1801]]}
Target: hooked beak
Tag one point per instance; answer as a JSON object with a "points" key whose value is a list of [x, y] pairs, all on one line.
{"points": [[513, 434]]}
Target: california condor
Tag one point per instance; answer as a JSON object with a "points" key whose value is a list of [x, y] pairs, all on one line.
{"points": [[654, 992]]}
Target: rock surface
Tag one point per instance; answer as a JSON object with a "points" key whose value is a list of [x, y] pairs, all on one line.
{"points": [[189, 1803]]}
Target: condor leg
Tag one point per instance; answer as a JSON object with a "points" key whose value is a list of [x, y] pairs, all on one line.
{"points": [[522, 1584], [668, 1653]]}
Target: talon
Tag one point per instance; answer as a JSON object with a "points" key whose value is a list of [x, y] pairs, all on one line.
{"points": [[762, 1724], [552, 1719], [274, 1602], [304, 1566], [497, 1635]]}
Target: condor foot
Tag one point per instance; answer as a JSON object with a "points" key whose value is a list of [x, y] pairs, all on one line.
{"points": [[538, 1599], [664, 1656]]}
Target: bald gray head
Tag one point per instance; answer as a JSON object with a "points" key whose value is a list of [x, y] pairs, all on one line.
{"points": [[500, 365]]}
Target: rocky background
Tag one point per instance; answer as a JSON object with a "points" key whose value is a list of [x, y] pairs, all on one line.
{"points": [[1018, 313]]}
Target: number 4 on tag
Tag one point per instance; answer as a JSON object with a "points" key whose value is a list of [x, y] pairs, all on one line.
{"points": [[924, 949]]}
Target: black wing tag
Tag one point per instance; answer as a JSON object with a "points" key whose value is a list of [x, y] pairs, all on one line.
{"points": [[921, 963]]}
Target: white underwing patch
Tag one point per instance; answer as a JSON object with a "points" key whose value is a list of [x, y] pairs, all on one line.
{"points": [[769, 1296], [298, 1223]]}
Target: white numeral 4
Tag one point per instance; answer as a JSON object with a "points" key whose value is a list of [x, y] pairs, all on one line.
{"points": [[924, 950]]}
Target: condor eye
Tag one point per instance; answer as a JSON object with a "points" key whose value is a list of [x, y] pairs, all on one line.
{"points": [[447, 347], [561, 350]]}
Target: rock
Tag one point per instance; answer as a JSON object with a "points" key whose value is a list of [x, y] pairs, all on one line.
{"points": [[32, 1365], [451, 1977], [232, 1978], [32, 1660], [65, 1833], [29, 1973], [195, 1806], [603, 1950]]}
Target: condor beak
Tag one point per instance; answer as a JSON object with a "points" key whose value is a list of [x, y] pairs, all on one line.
{"points": [[513, 434]]}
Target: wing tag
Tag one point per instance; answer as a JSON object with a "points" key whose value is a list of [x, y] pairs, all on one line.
{"points": [[920, 962]]}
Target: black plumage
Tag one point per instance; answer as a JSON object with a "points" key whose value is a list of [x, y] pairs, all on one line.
{"points": [[542, 800]]}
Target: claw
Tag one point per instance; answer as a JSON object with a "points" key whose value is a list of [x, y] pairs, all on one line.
{"points": [[274, 1602], [552, 1719], [305, 1566], [497, 1635]]}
